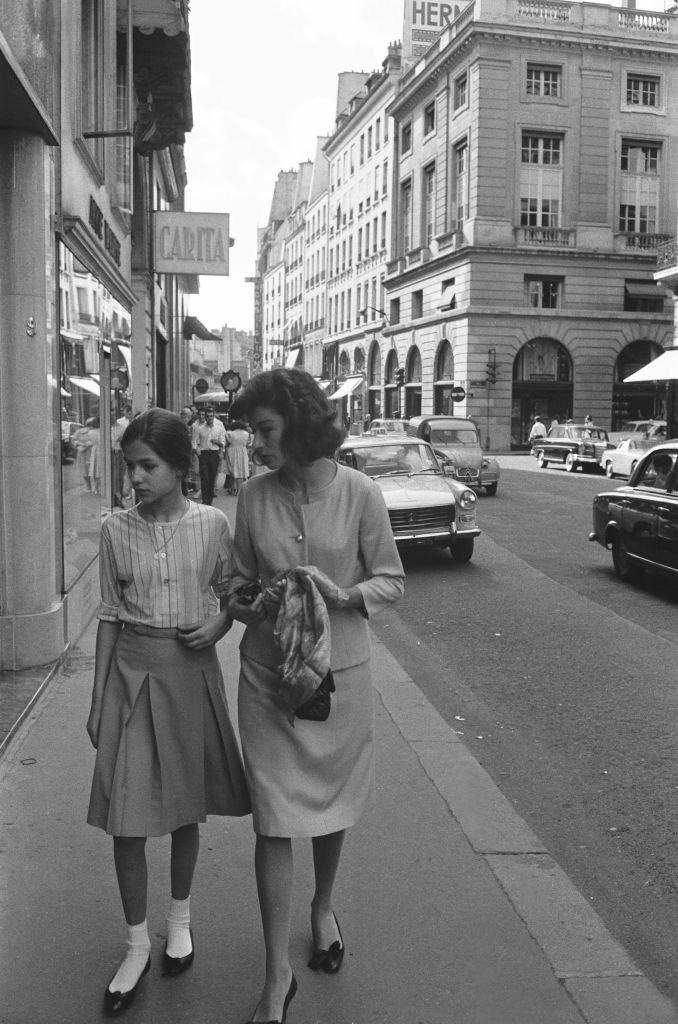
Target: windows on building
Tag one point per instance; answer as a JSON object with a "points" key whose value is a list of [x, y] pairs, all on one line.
{"points": [[429, 203], [369, 143], [543, 80], [406, 216], [639, 186], [544, 292], [362, 150], [417, 304], [92, 76], [406, 138], [394, 311], [377, 133], [383, 231], [429, 118], [643, 297], [460, 92], [459, 205], [642, 90], [384, 178], [541, 180]]}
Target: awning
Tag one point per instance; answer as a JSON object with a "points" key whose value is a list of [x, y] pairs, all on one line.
{"points": [[665, 367], [149, 15], [126, 353], [87, 384], [347, 388], [644, 290], [324, 384], [292, 358], [212, 396]]}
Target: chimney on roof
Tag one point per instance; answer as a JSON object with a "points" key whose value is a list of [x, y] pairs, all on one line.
{"points": [[394, 57], [629, 5]]}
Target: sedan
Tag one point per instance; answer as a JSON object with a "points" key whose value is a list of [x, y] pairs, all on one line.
{"points": [[638, 523], [426, 506], [576, 445], [622, 460]]}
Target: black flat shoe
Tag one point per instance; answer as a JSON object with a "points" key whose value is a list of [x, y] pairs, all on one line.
{"points": [[116, 1002], [328, 960], [173, 965], [291, 993]]}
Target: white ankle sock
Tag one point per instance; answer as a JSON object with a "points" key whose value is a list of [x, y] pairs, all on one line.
{"points": [[138, 948], [178, 924]]}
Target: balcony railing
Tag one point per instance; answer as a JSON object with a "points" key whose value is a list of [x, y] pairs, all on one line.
{"points": [[557, 237], [667, 254], [642, 242]]}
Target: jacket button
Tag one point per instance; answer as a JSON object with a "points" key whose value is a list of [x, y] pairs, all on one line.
{"points": [[299, 537]]}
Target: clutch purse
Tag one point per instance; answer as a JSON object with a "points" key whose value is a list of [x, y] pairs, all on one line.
{"points": [[317, 708]]}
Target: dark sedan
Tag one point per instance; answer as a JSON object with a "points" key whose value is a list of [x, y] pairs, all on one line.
{"points": [[574, 444], [639, 522]]}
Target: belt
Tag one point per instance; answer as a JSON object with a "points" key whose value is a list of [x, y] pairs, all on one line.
{"points": [[153, 631]]}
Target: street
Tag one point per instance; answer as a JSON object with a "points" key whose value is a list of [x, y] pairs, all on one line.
{"points": [[560, 678]]}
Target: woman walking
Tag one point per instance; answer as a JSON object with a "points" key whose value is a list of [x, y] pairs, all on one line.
{"points": [[166, 751], [308, 517], [236, 457]]}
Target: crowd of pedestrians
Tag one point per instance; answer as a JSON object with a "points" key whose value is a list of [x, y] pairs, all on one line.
{"points": [[221, 453]]}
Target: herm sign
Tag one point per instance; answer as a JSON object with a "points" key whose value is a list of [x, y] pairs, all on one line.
{"points": [[424, 21], [191, 243]]}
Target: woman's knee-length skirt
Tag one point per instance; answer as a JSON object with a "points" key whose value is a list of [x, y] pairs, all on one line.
{"points": [[313, 778], [167, 755]]}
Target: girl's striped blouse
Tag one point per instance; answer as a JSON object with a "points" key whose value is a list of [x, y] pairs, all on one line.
{"points": [[164, 574]]}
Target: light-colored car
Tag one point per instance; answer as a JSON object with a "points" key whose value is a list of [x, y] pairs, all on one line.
{"points": [[381, 426], [622, 460], [426, 505], [639, 428], [457, 442]]}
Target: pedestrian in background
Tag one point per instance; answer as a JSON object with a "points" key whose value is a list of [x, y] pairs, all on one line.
{"points": [[188, 417], [211, 442], [538, 429], [236, 457], [166, 752], [307, 778]]}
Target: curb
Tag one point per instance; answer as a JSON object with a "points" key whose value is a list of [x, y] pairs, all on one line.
{"points": [[600, 977]]}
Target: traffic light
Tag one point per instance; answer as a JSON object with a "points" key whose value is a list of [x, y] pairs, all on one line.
{"points": [[400, 376], [491, 372]]}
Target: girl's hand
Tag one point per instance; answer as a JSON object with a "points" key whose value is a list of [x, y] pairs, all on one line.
{"points": [[206, 634]]}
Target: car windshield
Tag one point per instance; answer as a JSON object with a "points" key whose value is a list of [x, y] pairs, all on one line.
{"points": [[453, 435], [588, 432], [389, 459], [632, 426]]}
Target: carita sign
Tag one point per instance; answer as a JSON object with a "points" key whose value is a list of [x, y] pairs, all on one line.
{"points": [[191, 243]]}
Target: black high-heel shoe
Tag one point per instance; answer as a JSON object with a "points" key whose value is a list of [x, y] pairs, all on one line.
{"points": [[173, 965], [328, 960], [291, 993], [116, 1002]]}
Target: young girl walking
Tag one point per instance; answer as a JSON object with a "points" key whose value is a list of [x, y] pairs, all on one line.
{"points": [[166, 751]]}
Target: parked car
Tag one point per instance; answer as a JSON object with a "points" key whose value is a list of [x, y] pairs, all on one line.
{"points": [[639, 428], [638, 523], [574, 445], [622, 460], [426, 505], [381, 426], [457, 443]]}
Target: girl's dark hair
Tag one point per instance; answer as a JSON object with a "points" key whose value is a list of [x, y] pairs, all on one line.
{"points": [[165, 433], [312, 429]]}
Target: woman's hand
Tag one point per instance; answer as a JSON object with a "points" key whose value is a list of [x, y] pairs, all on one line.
{"points": [[245, 611], [207, 633], [93, 724]]}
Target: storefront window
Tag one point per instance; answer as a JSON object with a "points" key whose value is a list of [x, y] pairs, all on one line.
{"points": [[94, 352]]}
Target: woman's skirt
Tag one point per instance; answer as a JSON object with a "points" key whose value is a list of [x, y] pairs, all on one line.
{"points": [[313, 778], [167, 755]]}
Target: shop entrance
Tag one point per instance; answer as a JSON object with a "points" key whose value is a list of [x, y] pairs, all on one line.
{"points": [[542, 385]]}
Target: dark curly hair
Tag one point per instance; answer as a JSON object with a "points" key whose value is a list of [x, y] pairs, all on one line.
{"points": [[165, 433], [312, 429]]}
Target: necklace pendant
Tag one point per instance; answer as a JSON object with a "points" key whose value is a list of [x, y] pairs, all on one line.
{"points": [[163, 554]]}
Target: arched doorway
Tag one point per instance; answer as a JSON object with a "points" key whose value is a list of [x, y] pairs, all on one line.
{"points": [[374, 382], [542, 383], [344, 364], [391, 397], [413, 383], [642, 401], [443, 380], [359, 360]]}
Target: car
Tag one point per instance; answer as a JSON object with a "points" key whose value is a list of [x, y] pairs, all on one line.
{"points": [[639, 428], [426, 505], [457, 443], [638, 523], [381, 426], [622, 460], [574, 445]]}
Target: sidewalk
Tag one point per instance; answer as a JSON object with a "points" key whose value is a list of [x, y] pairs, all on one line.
{"points": [[451, 910]]}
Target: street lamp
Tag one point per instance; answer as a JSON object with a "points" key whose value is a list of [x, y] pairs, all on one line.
{"points": [[363, 313]]}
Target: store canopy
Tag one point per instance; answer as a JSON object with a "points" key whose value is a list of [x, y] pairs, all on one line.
{"points": [[448, 299], [347, 388], [643, 290], [212, 396], [292, 358], [87, 384], [664, 367]]}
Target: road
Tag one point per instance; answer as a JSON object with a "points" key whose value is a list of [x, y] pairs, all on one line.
{"points": [[562, 680]]}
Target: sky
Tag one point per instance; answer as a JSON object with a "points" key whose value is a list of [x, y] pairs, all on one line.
{"points": [[264, 84]]}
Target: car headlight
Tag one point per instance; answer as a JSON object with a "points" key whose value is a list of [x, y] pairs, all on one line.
{"points": [[467, 500], [485, 463]]}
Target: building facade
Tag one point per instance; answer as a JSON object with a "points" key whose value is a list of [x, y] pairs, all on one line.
{"points": [[86, 327], [534, 179]]}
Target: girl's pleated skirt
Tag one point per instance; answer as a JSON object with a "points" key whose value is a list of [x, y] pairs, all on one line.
{"points": [[167, 755]]}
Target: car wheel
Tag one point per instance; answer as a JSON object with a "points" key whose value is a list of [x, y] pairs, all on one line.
{"points": [[462, 550], [609, 472], [625, 568], [570, 462], [542, 461], [491, 489]]}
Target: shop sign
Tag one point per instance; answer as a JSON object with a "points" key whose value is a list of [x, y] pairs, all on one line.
{"points": [[424, 21], [103, 231], [191, 243]]}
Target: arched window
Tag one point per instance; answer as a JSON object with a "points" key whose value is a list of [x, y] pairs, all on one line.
{"points": [[542, 384], [443, 403], [444, 362], [374, 382], [645, 400], [359, 361], [375, 366], [344, 364], [413, 383], [391, 367]]}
